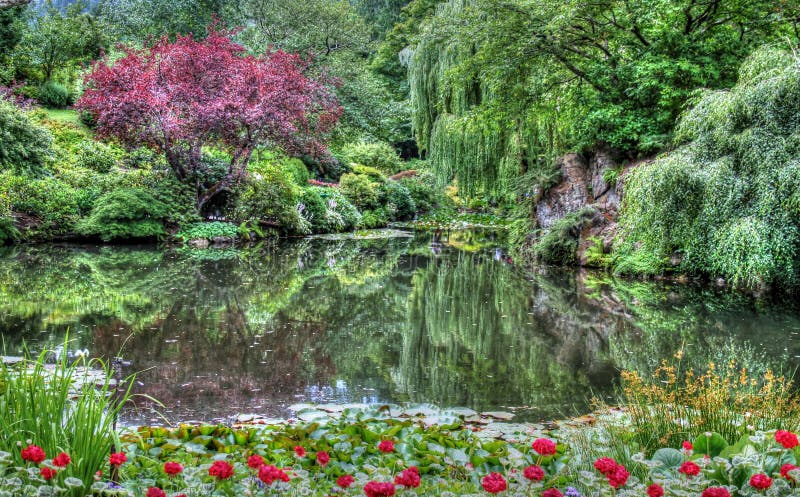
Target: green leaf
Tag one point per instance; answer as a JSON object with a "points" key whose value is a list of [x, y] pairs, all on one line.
{"points": [[710, 445]]}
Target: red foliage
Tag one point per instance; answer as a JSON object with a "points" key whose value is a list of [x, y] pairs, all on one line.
{"points": [[180, 96]]}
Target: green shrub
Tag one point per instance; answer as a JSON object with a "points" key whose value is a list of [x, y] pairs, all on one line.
{"points": [[397, 201], [270, 199], [341, 214], [177, 196], [144, 158], [371, 172], [209, 231], [559, 246], [123, 214], [24, 145], [50, 201], [313, 209], [358, 188], [8, 233], [727, 200], [296, 170], [596, 255], [423, 191], [96, 156], [377, 218], [53, 94], [378, 155]]}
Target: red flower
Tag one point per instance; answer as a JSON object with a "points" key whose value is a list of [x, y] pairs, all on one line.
{"points": [[605, 465], [323, 458], [687, 446], [255, 461], [716, 492], [408, 478], [787, 439], [345, 481], [689, 468], [48, 473], [299, 451], [544, 446], [378, 489], [386, 446], [61, 460], [117, 458], [655, 490], [533, 473], [785, 471], [221, 470], [760, 481], [156, 492], [269, 474], [552, 492], [33, 453], [619, 477], [494, 483], [172, 468]]}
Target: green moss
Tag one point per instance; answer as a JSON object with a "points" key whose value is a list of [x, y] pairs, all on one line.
{"points": [[559, 246]]}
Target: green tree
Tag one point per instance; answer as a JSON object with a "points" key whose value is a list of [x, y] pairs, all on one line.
{"points": [[138, 20], [24, 145], [59, 39]]}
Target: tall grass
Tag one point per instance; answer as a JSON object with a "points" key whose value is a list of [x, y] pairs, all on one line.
{"points": [[61, 407], [675, 405]]}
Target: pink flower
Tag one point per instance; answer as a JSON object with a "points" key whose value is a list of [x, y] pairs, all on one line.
{"points": [[655, 490], [33, 453], [221, 470], [533, 473], [155, 492], [378, 489], [544, 446], [494, 483], [785, 471], [605, 465], [345, 481], [687, 446], [299, 451], [61, 460], [409, 478], [323, 458], [48, 473], [716, 492], [269, 474], [787, 439], [386, 446], [117, 459], [760, 481], [689, 468], [255, 461], [552, 492], [619, 477], [172, 468]]}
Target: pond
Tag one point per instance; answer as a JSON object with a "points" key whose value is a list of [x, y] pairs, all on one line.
{"points": [[409, 319]]}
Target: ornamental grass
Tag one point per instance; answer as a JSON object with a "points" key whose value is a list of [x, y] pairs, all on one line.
{"points": [[675, 405]]}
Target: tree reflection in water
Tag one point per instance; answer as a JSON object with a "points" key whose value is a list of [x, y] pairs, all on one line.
{"points": [[218, 332]]}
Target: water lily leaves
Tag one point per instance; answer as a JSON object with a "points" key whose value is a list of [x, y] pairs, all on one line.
{"points": [[711, 444]]}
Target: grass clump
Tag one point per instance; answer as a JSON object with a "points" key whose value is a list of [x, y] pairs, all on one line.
{"points": [[68, 406], [676, 405]]}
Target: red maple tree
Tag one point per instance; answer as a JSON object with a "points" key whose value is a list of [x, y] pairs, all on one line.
{"points": [[179, 96]]}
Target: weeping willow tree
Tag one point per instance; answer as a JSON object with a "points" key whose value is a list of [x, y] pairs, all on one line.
{"points": [[478, 122]]}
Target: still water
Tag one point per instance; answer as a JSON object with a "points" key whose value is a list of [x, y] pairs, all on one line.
{"points": [[454, 322]]}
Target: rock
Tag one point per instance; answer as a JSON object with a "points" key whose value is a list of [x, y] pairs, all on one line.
{"points": [[199, 243], [222, 240]]}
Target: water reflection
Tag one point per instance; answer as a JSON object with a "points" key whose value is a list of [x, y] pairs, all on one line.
{"points": [[391, 320]]}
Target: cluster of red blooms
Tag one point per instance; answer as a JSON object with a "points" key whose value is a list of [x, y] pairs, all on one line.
{"points": [[36, 455], [615, 473], [494, 483], [379, 489], [787, 439], [269, 474], [409, 478], [785, 471], [386, 446], [544, 446], [689, 469], [533, 473], [222, 470]]}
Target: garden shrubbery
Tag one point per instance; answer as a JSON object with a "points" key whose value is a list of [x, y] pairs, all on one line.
{"points": [[726, 201], [25, 144], [124, 214], [381, 156]]}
